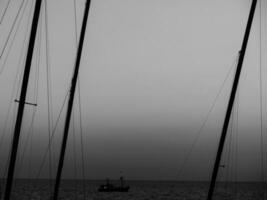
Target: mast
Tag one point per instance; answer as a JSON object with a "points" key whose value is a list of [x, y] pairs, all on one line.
{"points": [[71, 98], [22, 101], [231, 100]]}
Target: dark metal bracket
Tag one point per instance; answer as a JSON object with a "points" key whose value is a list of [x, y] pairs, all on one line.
{"points": [[27, 103]]}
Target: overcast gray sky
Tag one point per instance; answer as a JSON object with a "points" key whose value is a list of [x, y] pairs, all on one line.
{"points": [[150, 71]]}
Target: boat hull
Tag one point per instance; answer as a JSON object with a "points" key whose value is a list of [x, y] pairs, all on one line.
{"points": [[115, 189]]}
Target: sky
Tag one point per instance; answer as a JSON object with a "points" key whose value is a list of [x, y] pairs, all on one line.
{"points": [[150, 71]]}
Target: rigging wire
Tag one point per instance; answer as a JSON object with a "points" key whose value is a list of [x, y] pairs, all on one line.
{"points": [[52, 136], [30, 156], [236, 145], [28, 138], [12, 27], [80, 108], [13, 39], [230, 138], [74, 152], [22, 58], [35, 92], [232, 150], [19, 70], [233, 159], [7, 115], [4, 13], [20, 77], [75, 20], [186, 158], [4, 130], [261, 98], [22, 61], [81, 139], [49, 95]]}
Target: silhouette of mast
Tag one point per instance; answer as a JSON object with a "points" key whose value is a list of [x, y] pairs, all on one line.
{"points": [[231, 100], [22, 101], [71, 98]]}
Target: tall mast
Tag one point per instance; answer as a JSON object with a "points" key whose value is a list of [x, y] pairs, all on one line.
{"points": [[231, 100], [71, 98], [22, 101]]}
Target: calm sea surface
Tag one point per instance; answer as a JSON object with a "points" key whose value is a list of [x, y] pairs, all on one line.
{"points": [[140, 190]]}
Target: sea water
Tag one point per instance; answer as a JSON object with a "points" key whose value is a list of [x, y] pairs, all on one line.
{"points": [[139, 190]]}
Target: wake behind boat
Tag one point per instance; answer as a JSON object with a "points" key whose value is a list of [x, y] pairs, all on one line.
{"points": [[108, 187]]}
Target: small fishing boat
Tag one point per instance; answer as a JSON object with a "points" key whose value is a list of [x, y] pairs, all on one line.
{"points": [[108, 187]]}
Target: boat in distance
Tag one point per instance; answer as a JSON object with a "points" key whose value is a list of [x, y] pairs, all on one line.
{"points": [[108, 187]]}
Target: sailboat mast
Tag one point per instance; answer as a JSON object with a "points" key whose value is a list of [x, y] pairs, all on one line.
{"points": [[71, 98], [22, 99], [231, 100]]}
